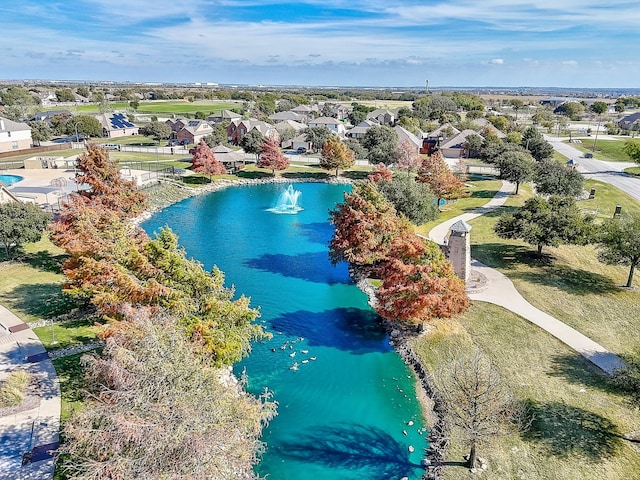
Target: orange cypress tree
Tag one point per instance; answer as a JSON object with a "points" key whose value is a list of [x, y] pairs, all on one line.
{"points": [[204, 161], [335, 154], [435, 172], [271, 156]]}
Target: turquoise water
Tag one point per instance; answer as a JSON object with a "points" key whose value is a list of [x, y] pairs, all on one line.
{"points": [[9, 180], [345, 397]]}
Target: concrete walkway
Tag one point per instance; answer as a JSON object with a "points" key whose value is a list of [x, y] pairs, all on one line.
{"points": [[499, 290], [28, 437]]}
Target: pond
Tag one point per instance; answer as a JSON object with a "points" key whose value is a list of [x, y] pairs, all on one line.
{"points": [[347, 404]]}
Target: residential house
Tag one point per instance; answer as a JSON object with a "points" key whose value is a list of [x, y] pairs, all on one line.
{"points": [[288, 126], [383, 117], [301, 142], [405, 136], [237, 129], [290, 115], [193, 131], [432, 140], [455, 146], [116, 125], [309, 112], [359, 130], [14, 135], [223, 116], [47, 116], [332, 124], [630, 122]]}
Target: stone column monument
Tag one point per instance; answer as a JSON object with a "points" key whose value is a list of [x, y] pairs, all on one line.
{"points": [[459, 249]]}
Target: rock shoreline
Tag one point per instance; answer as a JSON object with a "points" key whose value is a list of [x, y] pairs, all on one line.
{"points": [[429, 397]]}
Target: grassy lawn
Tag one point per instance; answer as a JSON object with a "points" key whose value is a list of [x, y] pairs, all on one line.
{"points": [[633, 171], [609, 150], [67, 334], [568, 282], [580, 421], [482, 190], [30, 285]]}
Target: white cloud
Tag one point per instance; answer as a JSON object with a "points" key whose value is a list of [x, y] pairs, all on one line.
{"points": [[497, 61]]}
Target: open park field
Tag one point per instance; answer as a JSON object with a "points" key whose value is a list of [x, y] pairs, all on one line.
{"points": [[159, 107]]}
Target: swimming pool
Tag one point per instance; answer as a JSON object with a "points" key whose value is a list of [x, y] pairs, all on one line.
{"points": [[9, 180]]}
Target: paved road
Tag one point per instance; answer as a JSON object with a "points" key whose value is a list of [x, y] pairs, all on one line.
{"points": [[608, 172]]}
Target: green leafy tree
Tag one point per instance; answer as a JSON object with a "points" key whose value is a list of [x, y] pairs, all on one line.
{"points": [[381, 143], [18, 103], [413, 199], [517, 105], [134, 104], [21, 223], [157, 130], [317, 136], [573, 110], [84, 125], [619, 243], [356, 147], [219, 135], [553, 178], [336, 155], [252, 142], [65, 95], [40, 131], [599, 107], [83, 92], [632, 148], [550, 222], [516, 167], [539, 148], [359, 113]]}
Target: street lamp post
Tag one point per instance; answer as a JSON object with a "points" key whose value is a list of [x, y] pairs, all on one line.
{"points": [[595, 140]]}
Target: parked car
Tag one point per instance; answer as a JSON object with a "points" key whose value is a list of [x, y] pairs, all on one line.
{"points": [[301, 150], [111, 146], [172, 142], [183, 142], [588, 155]]}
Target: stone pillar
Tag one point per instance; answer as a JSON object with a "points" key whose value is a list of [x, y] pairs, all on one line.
{"points": [[459, 249]]}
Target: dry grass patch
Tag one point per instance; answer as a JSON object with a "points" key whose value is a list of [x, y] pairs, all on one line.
{"points": [[13, 387], [581, 423]]}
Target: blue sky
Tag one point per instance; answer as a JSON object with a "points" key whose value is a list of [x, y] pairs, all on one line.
{"points": [[563, 43]]}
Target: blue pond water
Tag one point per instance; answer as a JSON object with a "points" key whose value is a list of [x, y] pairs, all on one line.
{"points": [[9, 180], [344, 395]]}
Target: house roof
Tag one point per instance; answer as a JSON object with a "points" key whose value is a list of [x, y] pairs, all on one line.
{"points": [[49, 114], [7, 125], [303, 109], [406, 135], [325, 121], [114, 121], [440, 130], [457, 140], [634, 117], [288, 124], [290, 115], [226, 115], [380, 111]]}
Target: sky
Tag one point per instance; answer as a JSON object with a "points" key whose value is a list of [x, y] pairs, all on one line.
{"points": [[382, 43]]}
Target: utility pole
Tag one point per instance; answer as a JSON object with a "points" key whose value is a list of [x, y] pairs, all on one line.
{"points": [[427, 89]]}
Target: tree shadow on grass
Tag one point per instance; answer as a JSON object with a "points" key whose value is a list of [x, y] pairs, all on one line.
{"points": [[567, 431], [44, 261], [253, 174], [505, 255], [306, 175], [367, 452], [348, 329], [355, 174], [42, 300], [580, 371], [483, 194], [196, 180], [312, 267], [571, 280]]}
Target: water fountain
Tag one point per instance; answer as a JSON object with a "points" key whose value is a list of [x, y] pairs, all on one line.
{"points": [[288, 201]]}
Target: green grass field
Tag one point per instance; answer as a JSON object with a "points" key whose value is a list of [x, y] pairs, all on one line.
{"points": [[608, 150], [157, 107]]}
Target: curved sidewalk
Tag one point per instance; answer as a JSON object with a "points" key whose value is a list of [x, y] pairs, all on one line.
{"points": [[500, 291], [28, 437]]}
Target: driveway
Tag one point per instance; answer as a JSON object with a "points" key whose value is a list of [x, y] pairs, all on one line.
{"points": [[608, 172]]}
